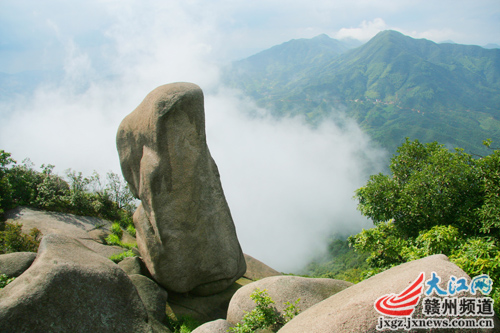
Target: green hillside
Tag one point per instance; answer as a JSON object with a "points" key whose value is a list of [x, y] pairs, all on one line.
{"points": [[394, 86], [285, 65]]}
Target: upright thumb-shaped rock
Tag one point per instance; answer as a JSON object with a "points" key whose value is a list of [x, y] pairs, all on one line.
{"points": [[185, 231]]}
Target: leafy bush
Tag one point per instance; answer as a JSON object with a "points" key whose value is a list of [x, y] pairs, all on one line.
{"points": [[117, 230], [429, 186], [22, 185], [12, 239], [6, 200], [481, 255], [113, 239], [120, 256], [131, 230], [265, 315], [184, 324], [5, 280]]}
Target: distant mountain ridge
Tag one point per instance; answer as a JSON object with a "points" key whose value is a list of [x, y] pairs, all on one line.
{"points": [[394, 86], [286, 62]]}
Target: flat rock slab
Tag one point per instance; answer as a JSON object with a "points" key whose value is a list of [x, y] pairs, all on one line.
{"points": [[70, 288], [84, 228]]}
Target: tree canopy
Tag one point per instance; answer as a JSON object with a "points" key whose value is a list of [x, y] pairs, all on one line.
{"points": [[434, 201], [432, 186]]}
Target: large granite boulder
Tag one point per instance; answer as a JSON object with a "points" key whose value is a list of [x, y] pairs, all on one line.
{"points": [[284, 289], [352, 310], [216, 326], [70, 288], [14, 264], [185, 232]]}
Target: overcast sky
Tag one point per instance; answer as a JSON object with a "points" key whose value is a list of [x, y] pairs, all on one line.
{"points": [[35, 34], [288, 185]]}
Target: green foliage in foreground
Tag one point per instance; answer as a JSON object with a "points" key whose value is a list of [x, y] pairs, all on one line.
{"points": [[12, 239], [183, 324], [5, 280], [115, 237], [120, 256], [265, 315], [23, 185], [435, 201]]}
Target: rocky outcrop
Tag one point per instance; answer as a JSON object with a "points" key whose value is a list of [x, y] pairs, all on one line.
{"points": [[134, 265], [257, 270], [70, 288], [185, 231], [352, 310], [154, 299], [14, 264], [90, 231], [284, 289]]}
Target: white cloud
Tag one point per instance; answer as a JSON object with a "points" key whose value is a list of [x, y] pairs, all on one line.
{"points": [[289, 186], [436, 35], [365, 31]]}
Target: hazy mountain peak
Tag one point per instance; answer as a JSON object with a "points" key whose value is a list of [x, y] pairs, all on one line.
{"points": [[322, 37], [492, 46]]}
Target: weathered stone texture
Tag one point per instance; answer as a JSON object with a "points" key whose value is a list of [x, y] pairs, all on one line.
{"points": [[70, 288], [185, 231]]}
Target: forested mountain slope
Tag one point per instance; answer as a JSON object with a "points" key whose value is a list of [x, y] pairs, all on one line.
{"points": [[394, 86]]}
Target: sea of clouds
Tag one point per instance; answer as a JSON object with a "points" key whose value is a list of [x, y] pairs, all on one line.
{"points": [[289, 186]]}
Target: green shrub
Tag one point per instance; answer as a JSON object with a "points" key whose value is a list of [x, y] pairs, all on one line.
{"points": [[6, 200], [480, 255], [120, 256], [12, 239], [117, 230], [184, 324], [131, 230], [113, 239], [265, 315], [5, 280]]}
